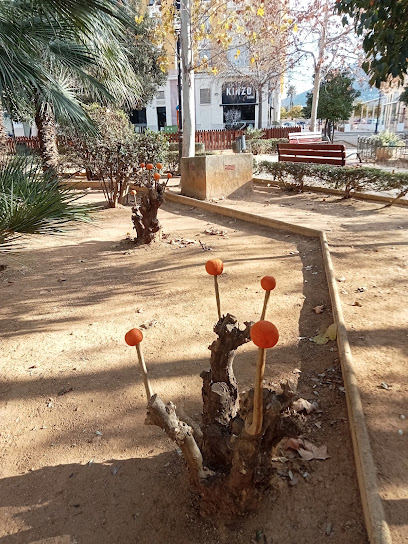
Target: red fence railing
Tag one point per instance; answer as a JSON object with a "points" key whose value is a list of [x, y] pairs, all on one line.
{"points": [[212, 139], [222, 139], [31, 143]]}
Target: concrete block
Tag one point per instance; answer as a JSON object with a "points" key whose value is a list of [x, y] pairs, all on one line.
{"points": [[216, 176]]}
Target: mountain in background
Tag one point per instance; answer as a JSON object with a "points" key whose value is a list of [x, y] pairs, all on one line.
{"points": [[366, 93]]}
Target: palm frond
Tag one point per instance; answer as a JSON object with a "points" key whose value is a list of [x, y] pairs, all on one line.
{"points": [[32, 202]]}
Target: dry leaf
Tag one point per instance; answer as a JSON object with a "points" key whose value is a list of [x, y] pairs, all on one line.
{"points": [[311, 452], [330, 334], [319, 309], [303, 404]]}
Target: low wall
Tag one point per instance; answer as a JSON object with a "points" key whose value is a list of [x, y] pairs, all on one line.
{"points": [[216, 176]]}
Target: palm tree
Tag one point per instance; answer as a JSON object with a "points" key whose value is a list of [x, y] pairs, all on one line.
{"points": [[34, 202], [37, 40]]}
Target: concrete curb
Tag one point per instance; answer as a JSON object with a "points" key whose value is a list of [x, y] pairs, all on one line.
{"points": [[359, 196], [374, 515]]}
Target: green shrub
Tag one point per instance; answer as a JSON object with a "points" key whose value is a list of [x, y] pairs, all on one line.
{"points": [[349, 179], [254, 133], [265, 147], [113, 154], [388, 139], [199, 147]]}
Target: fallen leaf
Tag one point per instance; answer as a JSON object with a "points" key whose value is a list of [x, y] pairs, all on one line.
{"points": [[319, 309], [357, 303], [303, 404], [341, 279], [310, 452], [331, 332]]}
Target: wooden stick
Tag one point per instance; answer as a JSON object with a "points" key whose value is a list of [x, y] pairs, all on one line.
{"points": [[257, 414], [142, 363], [217, 296], [266, 299]]}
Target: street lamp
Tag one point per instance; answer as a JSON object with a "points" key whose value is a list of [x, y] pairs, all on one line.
{"points": [[378, 113]]}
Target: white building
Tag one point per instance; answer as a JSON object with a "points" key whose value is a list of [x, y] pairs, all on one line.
{"points": [[215, 96], [393, 114]]}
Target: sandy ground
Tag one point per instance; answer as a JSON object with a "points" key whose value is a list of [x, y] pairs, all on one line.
{"points": [[77, 463], [369, 246]]}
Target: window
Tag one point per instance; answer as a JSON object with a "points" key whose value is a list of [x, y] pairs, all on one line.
{"points": [[160, 95], [238, 56], [205, 96]]}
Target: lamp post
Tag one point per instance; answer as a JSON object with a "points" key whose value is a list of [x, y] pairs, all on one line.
{"points": [[378, 113]]}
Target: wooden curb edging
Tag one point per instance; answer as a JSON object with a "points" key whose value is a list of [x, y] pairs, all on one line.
{"points": [[374, 516], [338, 192]]}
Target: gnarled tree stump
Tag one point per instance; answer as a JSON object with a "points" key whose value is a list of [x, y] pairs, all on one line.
{"points": [[144, 213], [229, 468]]}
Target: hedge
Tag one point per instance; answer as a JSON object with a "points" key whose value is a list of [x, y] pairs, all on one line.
{"points": [[348, 178], [265, 147]]}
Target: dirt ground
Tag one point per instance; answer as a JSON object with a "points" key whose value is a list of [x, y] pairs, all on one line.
{"points": [[77, 463], [369, 247]]}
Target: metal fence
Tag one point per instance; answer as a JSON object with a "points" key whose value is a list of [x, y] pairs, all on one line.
{"points": [[370, 150]]}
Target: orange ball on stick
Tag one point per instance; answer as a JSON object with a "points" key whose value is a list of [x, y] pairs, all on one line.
{"points": [[133, 337], [169, 175], [159, 166], [268, 283], [214, 267], [149, 166], [264, 334], [142, 165], [132, 192], [156, 176]]}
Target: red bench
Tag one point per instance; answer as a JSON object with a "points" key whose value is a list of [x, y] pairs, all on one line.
{"points": [[313, 153]]}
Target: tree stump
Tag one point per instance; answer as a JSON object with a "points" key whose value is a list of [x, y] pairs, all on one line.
{"points": [[229, 468], [144, 213]]}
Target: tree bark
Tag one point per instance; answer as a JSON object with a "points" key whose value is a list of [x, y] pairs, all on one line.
{"points": [[144, 214], [188, 109], [47, 136]]}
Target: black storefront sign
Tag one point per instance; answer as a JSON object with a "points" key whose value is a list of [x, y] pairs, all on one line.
{"points": [[238, 92]]}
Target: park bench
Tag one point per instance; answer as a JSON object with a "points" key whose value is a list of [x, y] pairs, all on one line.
{"points": [[334, 154], [304, 137]]}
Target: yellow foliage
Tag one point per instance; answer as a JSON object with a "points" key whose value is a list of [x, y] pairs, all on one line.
{"points": [[139, 19], [261, 11]]}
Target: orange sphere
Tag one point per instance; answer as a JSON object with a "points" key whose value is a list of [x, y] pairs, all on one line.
{"points": [[156, 176], [159, 166], [214, 267], [268, 283], [169, 175], [264, 334], [133, 337], [149, 166], [142, 165], [133, 192]]}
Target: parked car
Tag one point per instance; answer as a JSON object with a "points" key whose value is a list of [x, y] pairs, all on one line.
{"points": [[289, 124]]}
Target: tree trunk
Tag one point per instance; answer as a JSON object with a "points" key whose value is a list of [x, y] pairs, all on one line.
{"points": [[144, 217], [188, 109], [3, 137], [260, 106], [47, 136], [318, 72], [229, 467]]}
